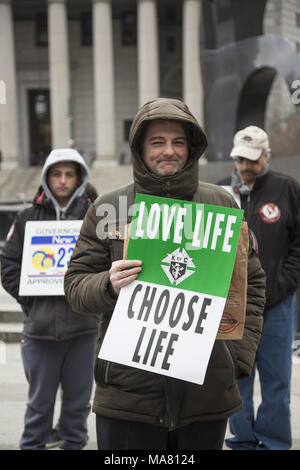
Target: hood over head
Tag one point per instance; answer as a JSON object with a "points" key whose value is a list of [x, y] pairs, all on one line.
{"points": [[65, 155], [182, 184]]}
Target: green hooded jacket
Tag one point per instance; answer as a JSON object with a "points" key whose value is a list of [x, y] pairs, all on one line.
{"points": [[125, 392]]}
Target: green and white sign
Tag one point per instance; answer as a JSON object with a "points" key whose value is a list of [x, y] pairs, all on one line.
{"points": [[167, 320]]}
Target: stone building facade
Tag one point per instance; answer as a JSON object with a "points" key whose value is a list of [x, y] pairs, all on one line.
{"points": [[74, 72]]}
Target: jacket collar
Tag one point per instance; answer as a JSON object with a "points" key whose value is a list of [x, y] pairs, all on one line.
{"points": [[242, 188], [41, 200], [182, 185]]}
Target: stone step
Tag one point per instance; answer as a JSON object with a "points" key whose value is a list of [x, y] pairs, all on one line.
{"points": [[11, 316], [11, 332]]}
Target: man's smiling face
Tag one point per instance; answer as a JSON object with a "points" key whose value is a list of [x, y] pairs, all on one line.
{"points": [[165, 149]]}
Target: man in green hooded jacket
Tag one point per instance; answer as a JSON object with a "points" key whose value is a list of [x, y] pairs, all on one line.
{"points": [[137, 409]]}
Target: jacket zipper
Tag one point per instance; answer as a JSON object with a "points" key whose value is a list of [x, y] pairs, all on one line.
{"points": [[168, 418]]}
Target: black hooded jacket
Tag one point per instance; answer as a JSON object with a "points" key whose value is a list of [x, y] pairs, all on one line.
{"points": [[272, 211], [46, 317]]}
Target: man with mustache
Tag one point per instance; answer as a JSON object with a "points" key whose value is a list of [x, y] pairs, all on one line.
{"points": [[271, 204]]}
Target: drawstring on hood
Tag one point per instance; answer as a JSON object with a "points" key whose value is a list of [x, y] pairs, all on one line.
{"points": [[183, 184], [64, 155]]}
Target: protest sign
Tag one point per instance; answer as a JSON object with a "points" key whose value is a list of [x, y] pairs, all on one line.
{"points": [[47, 250], [167, 320]]}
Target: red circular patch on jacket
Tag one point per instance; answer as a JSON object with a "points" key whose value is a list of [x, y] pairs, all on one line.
{"points": [[270, 213], [228, 323]]}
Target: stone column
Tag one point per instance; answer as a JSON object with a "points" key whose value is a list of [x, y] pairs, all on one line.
{"points": [[148, 61], [9, 139], [192, 79], [59, 73], [104, 82]]}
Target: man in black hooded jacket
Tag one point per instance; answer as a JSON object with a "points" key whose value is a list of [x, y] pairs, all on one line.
{"points": [[138, 409], [58, 344]]}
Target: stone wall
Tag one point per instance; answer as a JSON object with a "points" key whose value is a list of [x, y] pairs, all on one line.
{"points": [[25, 181]]}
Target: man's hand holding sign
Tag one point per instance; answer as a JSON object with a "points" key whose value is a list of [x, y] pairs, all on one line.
{"points": [[123, 272]]}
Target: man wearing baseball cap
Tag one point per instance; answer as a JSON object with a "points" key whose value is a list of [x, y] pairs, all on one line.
{"points": [[271, 207]]}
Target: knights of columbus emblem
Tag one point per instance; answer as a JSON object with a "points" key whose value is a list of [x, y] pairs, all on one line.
{"points": [[176, 269]]}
